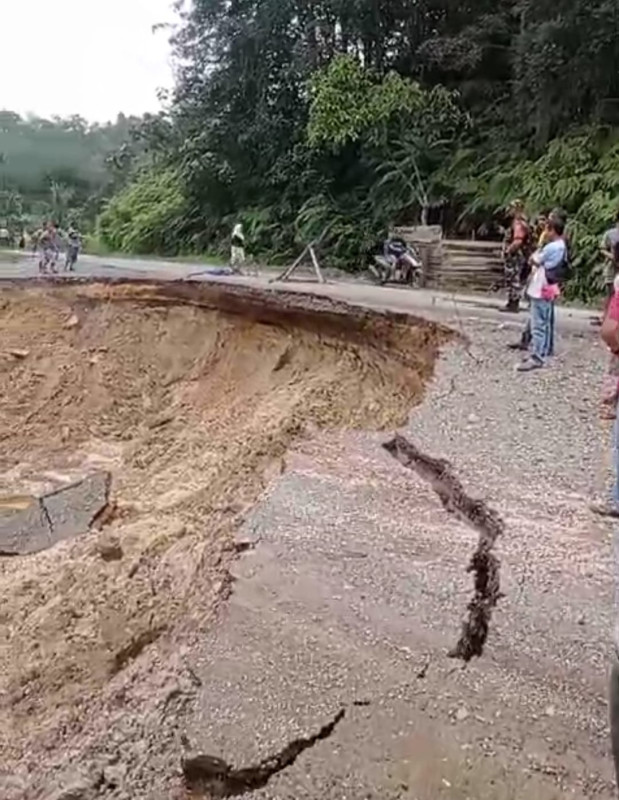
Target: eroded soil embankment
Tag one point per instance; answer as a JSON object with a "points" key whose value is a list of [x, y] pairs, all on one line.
{"points": [[190, 396]]}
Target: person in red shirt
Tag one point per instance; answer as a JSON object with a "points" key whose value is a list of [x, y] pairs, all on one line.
{"points": [[610, 337]]}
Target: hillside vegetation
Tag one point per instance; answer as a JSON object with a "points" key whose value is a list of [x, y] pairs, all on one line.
{"points": [[291, 116]]}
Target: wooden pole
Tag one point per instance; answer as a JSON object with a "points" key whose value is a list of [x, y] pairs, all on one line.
{"points": [[285, 275], [317, 269], [310, 250]]}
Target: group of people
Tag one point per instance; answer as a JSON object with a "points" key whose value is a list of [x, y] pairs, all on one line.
{"points": [[536, 257], [536, 261], [49, 241]]}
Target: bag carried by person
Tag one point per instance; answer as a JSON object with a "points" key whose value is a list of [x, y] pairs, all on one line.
{"points": [[562, 272]]}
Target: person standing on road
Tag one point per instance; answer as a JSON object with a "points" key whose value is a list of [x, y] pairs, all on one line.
{"points": [[541, 238], [543, 290], [74, 243], [560, 216], [49, 246], [237, 250], [610, 337], [515, 256], [610, 508], [610, 389], [610, 252]]}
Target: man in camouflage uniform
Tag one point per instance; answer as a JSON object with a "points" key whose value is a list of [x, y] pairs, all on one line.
{"points": [[516, 256]]}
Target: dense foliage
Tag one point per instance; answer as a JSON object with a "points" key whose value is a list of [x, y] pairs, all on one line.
{"points": [[294, 116], [146, 217], [579, 171]]}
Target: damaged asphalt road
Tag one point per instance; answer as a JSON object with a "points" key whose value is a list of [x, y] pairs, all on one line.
{"points": [[218, 779], [38, 523], [357, 586], [350, 584], [484, 564]]}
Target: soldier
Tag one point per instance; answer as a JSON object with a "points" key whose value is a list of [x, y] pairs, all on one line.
{"points": [[74, 244], [48, 245], [516, 256]]}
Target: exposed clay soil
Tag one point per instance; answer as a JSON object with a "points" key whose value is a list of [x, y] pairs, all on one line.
{"points": [[192, 408]]}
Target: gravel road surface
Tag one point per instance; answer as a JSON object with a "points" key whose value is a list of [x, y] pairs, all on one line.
{"points": [[356, 584], [327, 676]]}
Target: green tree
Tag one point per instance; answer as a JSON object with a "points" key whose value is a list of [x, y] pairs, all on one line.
{"points": [[61, 165], [147, 216], [291, 114]]}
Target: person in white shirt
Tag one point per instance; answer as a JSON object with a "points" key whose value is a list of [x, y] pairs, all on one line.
{"points": [[237, 251]]}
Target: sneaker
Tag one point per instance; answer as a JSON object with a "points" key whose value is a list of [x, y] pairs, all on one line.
{"points": [[529, 365], [605, 508], [518, 346]]}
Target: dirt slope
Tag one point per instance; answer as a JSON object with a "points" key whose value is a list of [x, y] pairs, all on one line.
{"points": [[192, 410]]}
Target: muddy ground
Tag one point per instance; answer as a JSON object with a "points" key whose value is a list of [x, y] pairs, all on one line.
{"points": [[362, 604], [274, 602], [192, 406]]}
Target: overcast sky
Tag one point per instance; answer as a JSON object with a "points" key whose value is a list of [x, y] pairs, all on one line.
{"points": [[88, 57]]}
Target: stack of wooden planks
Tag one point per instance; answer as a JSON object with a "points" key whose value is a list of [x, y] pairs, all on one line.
{"points": [[458, 264]]}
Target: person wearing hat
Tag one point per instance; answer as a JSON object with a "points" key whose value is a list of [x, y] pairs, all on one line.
{"points": [[515, 255]]}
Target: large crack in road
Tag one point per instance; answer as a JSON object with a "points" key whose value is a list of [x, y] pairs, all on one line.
{"points": [[187, 394], [209, 776], [484, 564], [217, 779]]}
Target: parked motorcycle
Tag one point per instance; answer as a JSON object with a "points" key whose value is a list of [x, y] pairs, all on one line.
{"points": [[398, 263]]}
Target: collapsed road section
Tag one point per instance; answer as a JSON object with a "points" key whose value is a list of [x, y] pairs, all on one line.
{"points": [[32, 524], [188, 396]]}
